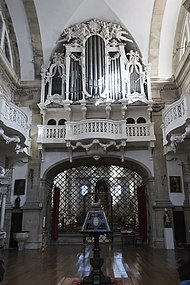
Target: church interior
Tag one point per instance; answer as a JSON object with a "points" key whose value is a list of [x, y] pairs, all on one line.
{"points": [[94, 114]]}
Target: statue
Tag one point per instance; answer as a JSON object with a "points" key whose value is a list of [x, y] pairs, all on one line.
{"points": [[167, 219], [102, 196], [17, 202]]}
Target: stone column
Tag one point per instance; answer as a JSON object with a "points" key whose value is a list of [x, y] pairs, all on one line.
{"points": [[3, 203], [4, 184], [186, 178], [186, 204], [161, 193]]}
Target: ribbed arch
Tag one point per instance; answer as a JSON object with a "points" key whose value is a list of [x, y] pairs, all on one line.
{"points": [[155, 32], [35, 35]]}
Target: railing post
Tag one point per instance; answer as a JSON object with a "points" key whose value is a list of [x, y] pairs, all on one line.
{"points": [[123, 128]]}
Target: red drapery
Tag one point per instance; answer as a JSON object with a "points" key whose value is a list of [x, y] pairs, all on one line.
{"points": [[141, 196], [55, 214]]}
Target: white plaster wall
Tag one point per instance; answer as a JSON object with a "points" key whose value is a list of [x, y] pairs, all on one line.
{"points": [[57, 15], [142, 157]]}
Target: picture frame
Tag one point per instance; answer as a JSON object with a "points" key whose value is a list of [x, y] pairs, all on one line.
{"points": [[175, 184], [19, 187]]}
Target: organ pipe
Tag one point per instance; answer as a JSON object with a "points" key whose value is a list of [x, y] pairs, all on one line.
{"points": [[90, 62], [123, 71], [96, 66], [100, 62], [115, 79], [103, 66], [67, 74], [71, 80], [95, 69], [87, 65], [75, 79]]}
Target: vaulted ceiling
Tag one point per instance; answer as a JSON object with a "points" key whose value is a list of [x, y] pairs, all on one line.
{"points": [[39, 23]]}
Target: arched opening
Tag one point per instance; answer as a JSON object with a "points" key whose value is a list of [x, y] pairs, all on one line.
{"points": [[51, 122], [76, 190], [61, 122], [141, 120], [130, 121]]}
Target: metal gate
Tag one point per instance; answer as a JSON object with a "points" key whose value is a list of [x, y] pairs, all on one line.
{"points": [[76, 184]]}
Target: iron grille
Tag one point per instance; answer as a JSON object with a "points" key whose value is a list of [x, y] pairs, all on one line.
{"points": [[76, 184]]}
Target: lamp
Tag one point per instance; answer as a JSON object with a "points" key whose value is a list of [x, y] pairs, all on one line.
{"points": [[96, 224]]}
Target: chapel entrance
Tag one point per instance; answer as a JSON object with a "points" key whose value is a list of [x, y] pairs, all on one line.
{"points": [[74, 190]]}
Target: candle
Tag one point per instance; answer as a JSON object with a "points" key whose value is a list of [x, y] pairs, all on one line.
{"points": [[44, 222]]}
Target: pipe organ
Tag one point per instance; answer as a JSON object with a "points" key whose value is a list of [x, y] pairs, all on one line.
{"points": [[94, 66], [93, 62]]}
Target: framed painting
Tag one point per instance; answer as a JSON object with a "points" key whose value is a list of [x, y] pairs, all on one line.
{"points": [[19, 187], [175, 184]]}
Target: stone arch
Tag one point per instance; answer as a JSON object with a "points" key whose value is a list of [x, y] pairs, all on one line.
{"points": [[155, 33], [178, 37], [35, 36], [133, 165]]}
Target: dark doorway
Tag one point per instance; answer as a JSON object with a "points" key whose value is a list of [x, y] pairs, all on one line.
{"points": [[179, 227], [16, 226]]}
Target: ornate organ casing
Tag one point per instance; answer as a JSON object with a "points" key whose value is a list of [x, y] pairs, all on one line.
{"points": [[87, 88], [94, 62]]}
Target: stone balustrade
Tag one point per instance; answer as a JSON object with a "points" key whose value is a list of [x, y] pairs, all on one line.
{"points": [[176, 115], [12, 116], [93, 129]]}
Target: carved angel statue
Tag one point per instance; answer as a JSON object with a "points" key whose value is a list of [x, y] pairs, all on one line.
{"points": [[105, 31], [66, 35], [119, 33]]}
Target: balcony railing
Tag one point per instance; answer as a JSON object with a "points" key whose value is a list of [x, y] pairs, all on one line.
{"points": [[51, 134], [12, 116], [96, 129], [176, 115]]}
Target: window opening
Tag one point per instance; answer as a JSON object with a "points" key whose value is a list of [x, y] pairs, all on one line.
{"points": [[130, 121], [51, 122], [5, 41], [141, 120]]}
